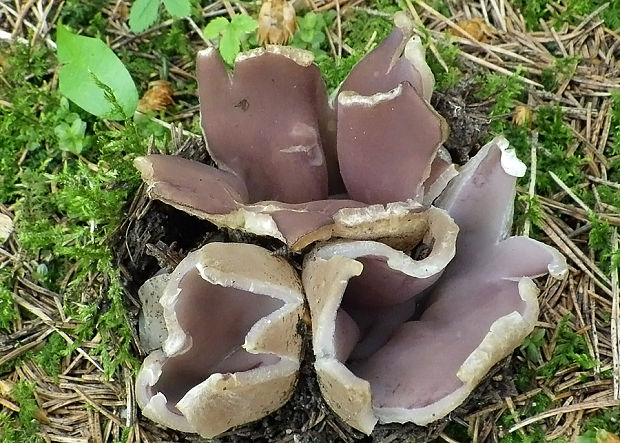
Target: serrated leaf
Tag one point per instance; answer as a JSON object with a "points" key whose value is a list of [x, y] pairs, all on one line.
{"points": [[178, 8], [143, 14], [243, 24], [93, 77], [229, 47], [215, 27]]}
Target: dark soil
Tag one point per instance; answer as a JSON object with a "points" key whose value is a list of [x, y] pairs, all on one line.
{"points": [[467, 118]]}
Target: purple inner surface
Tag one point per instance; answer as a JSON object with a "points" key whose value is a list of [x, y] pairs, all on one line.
{"points": [[383, 68], [384, 157], [217, 319], [414, 363], [195, 185], [264, 124], [377, 302]]}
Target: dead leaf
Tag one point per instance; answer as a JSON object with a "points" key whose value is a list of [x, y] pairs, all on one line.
{"points": [[522, 115], [121, 12], [476, 27], [276, 22], [6, 387], [606, 437], [157, 97]]}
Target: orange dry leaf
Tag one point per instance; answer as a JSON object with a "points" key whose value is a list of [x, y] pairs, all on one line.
{"points": [[476, 27], [121, 12], [276, 22], [157, 97], [606, 437], [522, 115]]}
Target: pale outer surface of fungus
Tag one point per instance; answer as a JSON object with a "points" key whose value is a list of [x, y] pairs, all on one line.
{"points": [[6, 227], [473, 314], [232, 351]]}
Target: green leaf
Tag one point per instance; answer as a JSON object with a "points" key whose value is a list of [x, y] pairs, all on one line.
{"points": [[243, 24], [229, 47], [216, 27], [178, 8], [311, 19], [94, 78], [143, 14]]}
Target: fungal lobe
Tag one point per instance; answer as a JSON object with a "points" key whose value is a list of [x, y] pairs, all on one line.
{"points": [[439, 343], [232, 351], [264, 122]]}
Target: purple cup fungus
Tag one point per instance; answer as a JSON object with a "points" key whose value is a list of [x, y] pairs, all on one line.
{"points": [[271, 130], [400, 340], [411, 304], [232, 352]]}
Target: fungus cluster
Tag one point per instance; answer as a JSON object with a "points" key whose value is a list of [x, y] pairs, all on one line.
{"points": [[415, 287]]}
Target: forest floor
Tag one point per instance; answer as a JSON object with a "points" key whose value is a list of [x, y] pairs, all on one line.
{"points": [[82, 237]]}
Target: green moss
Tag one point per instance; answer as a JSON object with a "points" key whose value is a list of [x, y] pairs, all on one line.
{"points": [[28, 124], [7, 311], [457, 432], [67, 207], [555, 138], [532, 344], [335, 71], [608, 420], [78, 14], [50, 356], [449, 54], [505, 91], [569, 11], [563, 68], [359, 28], [570, 348], [23, 394], [532, 434], [90, 206]]}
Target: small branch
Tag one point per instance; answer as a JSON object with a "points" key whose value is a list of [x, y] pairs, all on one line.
{"points": [[532, 187], [615, 319], [569, 191]]}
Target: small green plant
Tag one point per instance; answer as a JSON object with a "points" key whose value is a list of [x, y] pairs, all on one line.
{"points": [[71, 132], [310, 33], [144, 13], [532, 344], [94, 78], [231, 34]]}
